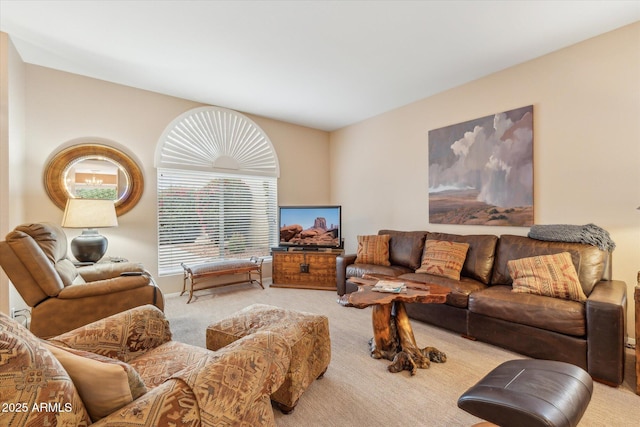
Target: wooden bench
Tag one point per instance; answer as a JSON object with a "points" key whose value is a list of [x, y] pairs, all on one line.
{"points": [[208, 270]]}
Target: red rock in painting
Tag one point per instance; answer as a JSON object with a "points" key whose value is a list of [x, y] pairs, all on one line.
{"points": [[289, 232], [316, 235]]}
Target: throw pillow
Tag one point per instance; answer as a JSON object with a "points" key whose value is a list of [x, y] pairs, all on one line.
{"points": [[104, 384], [443, 258], [29, 375], [373, 249], [548, 275]]}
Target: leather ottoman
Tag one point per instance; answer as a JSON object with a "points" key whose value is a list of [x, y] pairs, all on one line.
{"points": [[530, 393], [306, 333]]}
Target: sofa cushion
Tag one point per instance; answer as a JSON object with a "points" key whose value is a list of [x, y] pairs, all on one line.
{"points": [[553, 314], [67, 271], [53, 242], [373, 249], [50, 237], [31, 374], [38, 267], [123, 336], [358, 270], [160, 363], [104, 384], [589, 261], [480, 256], [460, 289], [443, 258], [405, 247], [548, 275]]}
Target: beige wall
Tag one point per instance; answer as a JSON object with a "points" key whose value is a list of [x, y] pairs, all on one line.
{"points": [[586, 102], [4, 158], [12, 150], [64, 108]]}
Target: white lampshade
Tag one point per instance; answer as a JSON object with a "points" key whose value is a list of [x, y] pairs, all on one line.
{"points": [[89, 213]]}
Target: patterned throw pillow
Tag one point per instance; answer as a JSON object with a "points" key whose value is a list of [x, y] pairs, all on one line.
{"points": [[548, 275], [31, 375], [443, 258], [104, 384], [373, 249]]}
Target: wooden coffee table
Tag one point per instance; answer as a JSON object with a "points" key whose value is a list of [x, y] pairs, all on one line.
{"points": [[392, 333]]}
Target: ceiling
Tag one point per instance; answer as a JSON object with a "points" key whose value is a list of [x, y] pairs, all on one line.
{"points": [[321, 64]]}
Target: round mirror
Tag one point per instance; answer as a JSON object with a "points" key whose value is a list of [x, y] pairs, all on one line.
{"points": [[93, 171]]}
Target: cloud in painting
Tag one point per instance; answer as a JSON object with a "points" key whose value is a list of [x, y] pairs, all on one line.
{"points": [[492, 155]]}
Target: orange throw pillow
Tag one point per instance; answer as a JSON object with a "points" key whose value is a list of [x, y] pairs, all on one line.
{"points": [[548, 275], [373, 249], [443, 258]]}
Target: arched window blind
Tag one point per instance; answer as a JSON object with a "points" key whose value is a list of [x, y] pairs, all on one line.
{"points": [[217, 189]]}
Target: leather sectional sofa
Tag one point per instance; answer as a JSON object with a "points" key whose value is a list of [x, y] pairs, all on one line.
{"points": [[483, 307]]}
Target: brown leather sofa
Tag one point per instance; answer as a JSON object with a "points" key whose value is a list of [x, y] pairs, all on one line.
{"points": [[61, 296], [482, 307]]}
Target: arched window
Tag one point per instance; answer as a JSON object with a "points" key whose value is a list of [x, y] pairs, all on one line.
{"points": [[217, 189]]}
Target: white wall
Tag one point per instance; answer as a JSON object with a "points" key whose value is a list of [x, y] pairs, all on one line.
{"points": [[586, 102]]}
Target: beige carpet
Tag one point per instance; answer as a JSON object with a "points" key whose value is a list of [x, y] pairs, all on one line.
{"points": [[358, 390]]}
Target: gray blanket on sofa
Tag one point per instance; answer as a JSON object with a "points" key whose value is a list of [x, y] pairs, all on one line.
{"points": [[590, 234]]}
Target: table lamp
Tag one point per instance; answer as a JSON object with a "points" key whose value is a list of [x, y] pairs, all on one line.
{"points": [[89, 214]]}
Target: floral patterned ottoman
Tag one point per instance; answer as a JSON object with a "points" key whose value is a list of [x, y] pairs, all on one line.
{"points": [[306, 333]]}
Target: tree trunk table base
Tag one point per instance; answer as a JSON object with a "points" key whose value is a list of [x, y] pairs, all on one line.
{"points": [[393, 337], [393, 340]]}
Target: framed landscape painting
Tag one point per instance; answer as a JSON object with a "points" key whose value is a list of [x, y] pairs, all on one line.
{"points": [[481, 171]]}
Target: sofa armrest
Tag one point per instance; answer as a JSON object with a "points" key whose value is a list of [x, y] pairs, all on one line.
{"points": [[161, 406], [104, 287], [108, 270], [231, 386], [606, 314], [123, 336], [342, 261], [259, 363]]}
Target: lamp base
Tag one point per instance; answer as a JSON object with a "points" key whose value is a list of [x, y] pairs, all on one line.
{"points": [[90, 246]]}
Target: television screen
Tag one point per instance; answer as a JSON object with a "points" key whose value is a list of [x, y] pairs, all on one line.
{"points": [[312, 226]]}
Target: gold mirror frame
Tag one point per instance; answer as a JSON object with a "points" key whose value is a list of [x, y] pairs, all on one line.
{"points": [[54, 175]]}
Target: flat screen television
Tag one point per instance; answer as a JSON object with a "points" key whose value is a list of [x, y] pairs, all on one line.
{"points": [[310, 227]]}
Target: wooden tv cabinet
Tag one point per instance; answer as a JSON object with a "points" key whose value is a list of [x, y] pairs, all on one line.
{"points": [[305, 269]]}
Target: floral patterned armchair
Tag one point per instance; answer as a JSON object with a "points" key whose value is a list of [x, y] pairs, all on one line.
{"points": [[126, 370]]}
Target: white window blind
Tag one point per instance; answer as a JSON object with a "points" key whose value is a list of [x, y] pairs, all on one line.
{"points": [[217, 189], [209, 216]]}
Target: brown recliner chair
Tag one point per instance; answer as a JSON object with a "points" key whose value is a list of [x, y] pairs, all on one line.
{"points": [[64, 297]]}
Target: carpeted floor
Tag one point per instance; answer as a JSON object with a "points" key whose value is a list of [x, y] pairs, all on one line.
{"points": [[358, 390]]}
